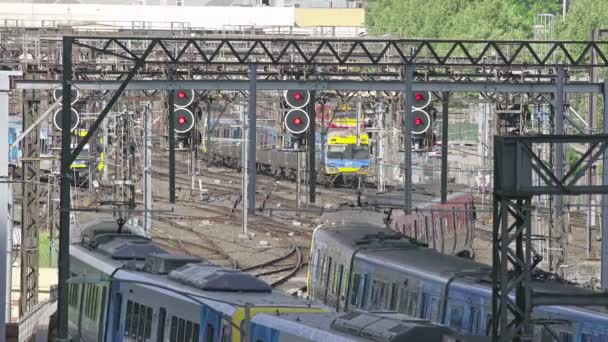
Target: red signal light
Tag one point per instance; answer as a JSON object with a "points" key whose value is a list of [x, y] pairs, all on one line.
{"points": [[181, 120], [297, 96], [418, 121], [297, 120], [182, 95], [419, 97]]}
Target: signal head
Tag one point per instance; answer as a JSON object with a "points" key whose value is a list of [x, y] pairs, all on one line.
{"points": [[297, 121], [421, 121], [296, 98], [184, 120], [58, 93], [183, 98], [421, 99], [57, 117]]}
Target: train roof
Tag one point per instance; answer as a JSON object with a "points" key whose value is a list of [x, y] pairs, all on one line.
{"points": [[356, 327], [137, 259], [389, 249], [422, 197]]}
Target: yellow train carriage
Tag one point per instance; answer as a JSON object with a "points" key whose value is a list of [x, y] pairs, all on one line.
{"points": [[347, 153]]}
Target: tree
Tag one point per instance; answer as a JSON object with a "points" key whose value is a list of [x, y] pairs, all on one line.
{"points": [[472, 19], [582, 17]]}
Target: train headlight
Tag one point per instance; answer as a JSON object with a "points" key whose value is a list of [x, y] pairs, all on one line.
{"points": [[364, 169], [332, 170]]}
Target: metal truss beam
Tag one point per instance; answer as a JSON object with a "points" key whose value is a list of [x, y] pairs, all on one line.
{"points": [[335, 51], [30, 213], [320, 85], [515, 164]]}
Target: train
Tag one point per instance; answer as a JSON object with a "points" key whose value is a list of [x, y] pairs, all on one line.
{"points": [[348, 327], [124, 287], [343, 158], [359, 266], [447, 228]]}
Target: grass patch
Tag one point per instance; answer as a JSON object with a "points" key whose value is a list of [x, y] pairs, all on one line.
{"points": [[45, 257]]}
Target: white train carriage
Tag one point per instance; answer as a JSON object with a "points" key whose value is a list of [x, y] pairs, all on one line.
{"points": [[126, 288], [349, 327]]}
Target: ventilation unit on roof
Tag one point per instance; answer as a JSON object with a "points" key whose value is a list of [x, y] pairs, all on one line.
{"points": [[129, 247], [389, 327], [163, 263], [209, 277]]}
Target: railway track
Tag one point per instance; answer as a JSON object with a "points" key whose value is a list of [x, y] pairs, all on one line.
{"points": [[210, 250], [278, 270]]}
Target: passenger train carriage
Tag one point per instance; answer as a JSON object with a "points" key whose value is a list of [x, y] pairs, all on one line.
{"points": [[349, 327], [126, 288], [343, 160], [447, 228], [365, 267]]}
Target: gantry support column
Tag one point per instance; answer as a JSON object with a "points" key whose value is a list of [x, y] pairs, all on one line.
{"points": [[251, 161], [407, 137], [30, 213]]}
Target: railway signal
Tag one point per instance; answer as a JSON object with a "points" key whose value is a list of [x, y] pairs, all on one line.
{"points": [[421, 121], [183, 98], [57, 94], [74, 122], [184, 120], [297, 121], [421, 99], [296, 98]]}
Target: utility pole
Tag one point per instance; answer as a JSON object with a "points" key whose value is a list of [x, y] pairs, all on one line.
{"points": [[380, 146], [312, 153], [298, 180], [147, 183], [244, 179], [6, 230], [591, 121]]}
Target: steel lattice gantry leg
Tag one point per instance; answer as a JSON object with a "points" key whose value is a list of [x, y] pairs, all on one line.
{"points": [[511, 268], [30, 208]]}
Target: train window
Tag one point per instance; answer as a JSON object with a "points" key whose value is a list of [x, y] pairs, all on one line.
{"points": [[382, 296], [364, 291], [413, 304], [456, 316], [208, 334], [355, 288], [195, 333], [181, 327], [173, 333], [586, 337], [128, 318], [393, 298], [375, 292], [117, 310], [567, 337], [189, 331], [160, 332], [473, 323], [226, 331], [328, 273], [334, 277], [148, 328], [488, 325], [138, 323], [403, 299], [339, 277]]}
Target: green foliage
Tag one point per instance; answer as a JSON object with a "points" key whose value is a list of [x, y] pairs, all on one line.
{"points": [[482, 19], [582, 17]]}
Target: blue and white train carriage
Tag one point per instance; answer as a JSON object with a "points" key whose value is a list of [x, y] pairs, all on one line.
{"points": [[126, 288]]}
